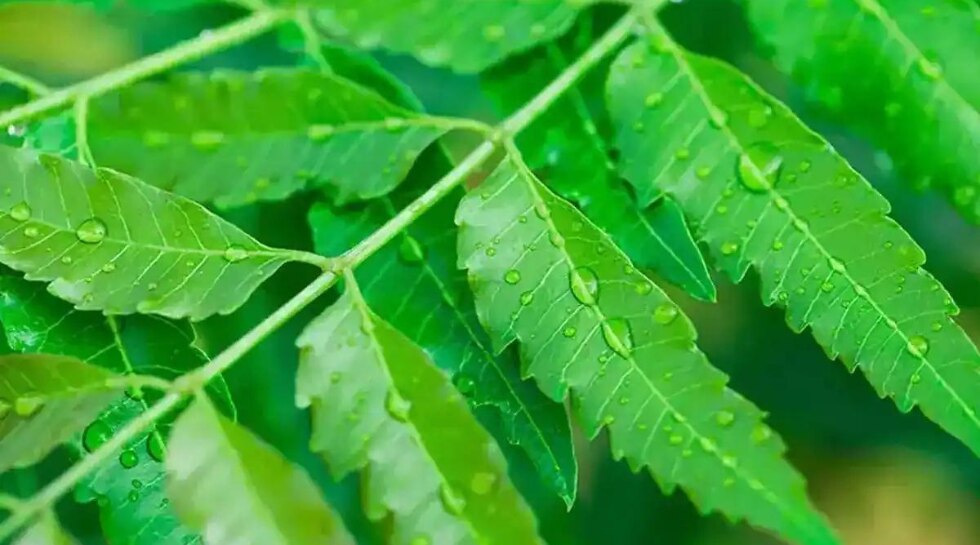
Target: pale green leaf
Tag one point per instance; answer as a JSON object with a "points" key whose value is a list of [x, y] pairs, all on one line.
{"points": [[904, 73], [106, 241], [44, 400], [464, 35], [566, 150], [45, 531], [129, 487], [768, 194], [234, 488], [589, 323], [381, 406], [236, 137]]}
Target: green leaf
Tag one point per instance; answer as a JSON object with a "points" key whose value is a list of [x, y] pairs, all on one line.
{"points": [[45, 531], [589, 323], [129, 487], [437, 314], [304, 129], [44, 400], [771, 195], [565, 147], [904, 73], [233, 488], [380, 405], [464, 35], [110, 242]]}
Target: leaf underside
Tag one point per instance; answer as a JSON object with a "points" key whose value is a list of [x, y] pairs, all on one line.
{"points": [[233, 488], [106, 241], [588, 322], [304, 129], [44, 400], [903, 72], [770, 195], [380, 405], [464, 35], [129, 487]]}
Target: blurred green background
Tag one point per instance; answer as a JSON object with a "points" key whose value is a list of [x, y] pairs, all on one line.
{"points": [[882, 477]]}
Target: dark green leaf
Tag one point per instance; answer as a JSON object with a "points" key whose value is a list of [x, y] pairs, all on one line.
{"points": [[589, 323], [380, 405]]}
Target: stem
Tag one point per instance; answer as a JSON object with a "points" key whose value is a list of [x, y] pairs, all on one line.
{"points": [[195, 380], [187, 51], [26, 83]]}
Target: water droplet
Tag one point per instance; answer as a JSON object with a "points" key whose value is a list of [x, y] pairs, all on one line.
{"points": [[761, 433], [725, 418], [826, 287], [397, 406], [155, 447], [109, 267], [21, 212], [490, 251], [805, 166], [16, 131], [758, 168], [584, 285], [703, 172], [31, 232], [837, 266], [569, 332], [91, 231], [718, 119], [556, 240], [729, 248], [930, 69], [665, 313], [137, 484], [451, 501], [918, 345], [28, 404], [128, 459], [653, 100], [235, 253], [464, 384], [618, 337], [410, 251], [643, 288], [936, 326], [319, 133], [482, 483], [512, 276], [67, 260], [676, 439], [916, 378], [707, 444], [759, 117], [682, 153], [777, 245], [133, 496], [527, 297], [207, 140], [95, 435]]}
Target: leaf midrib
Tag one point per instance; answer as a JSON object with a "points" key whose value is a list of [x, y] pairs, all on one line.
{"points": [[774, 195]]}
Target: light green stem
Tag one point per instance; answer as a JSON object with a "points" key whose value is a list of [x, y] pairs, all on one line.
{"points": [[203, 45], [26, 83], [195, 380]]}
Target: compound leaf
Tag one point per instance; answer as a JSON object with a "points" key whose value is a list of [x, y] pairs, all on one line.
{"points": [[304, 129], [589, 323], [564, 145], [464, 35], [769, 194], [232, 487], [107, 241], [380, 405], [44, 400], [129, 487], [903, 73]]}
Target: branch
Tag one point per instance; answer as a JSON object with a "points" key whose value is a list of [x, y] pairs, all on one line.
{"points": [[205, 44], [26, 83], [195, 380]]}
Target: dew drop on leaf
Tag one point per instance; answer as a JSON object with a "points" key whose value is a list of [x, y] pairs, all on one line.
{"points": [[128, 459], [31, 232], [95, 435], [725, 418], [21, 212], [482, 483], [729, 248], [569, 332], [234, 254], [618, 337], [28, 404], [91, 231], [527, 297], [758, 168], [676, 439], [154, 446], [665, 313], [109, 267], [207, 140], [584, 285], [918, 345], [653, 100], [465, 384], [410, 251], [397, 406]]}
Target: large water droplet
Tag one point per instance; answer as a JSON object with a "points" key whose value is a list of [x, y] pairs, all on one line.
{"points": [[758, 168], [410, 251], [128, 459], [465, 384], [665, 313], [618, 337], [729, 248], [482, 483], [91, 231], [451, 501], [918, 345], [28, 404], [584, 285], [512, 276], [95, 435], [725, 418], [235, 253], [155, 447], [21, 212], [569, 332], [527, 297], [31, 232], [397, 406]]}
